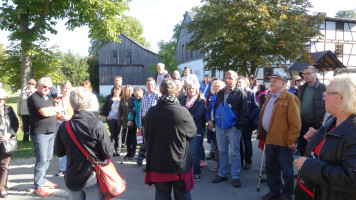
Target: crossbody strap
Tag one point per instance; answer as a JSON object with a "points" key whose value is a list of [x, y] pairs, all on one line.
{"points": [[86, 154]]}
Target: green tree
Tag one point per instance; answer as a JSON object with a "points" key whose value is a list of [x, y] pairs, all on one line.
{"points": [[45, 60], [167, 53], [75, 68], [246, 34], [28, 21], [347, 14]]}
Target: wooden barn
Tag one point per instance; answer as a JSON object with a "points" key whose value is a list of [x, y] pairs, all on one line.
{"points": [[128, 59]]}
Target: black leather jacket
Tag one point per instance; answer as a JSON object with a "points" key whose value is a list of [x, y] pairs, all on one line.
{"points": [[319, 104], [334, 171]]}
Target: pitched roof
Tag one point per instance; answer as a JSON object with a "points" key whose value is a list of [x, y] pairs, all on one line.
{"points": [[322, 60]]}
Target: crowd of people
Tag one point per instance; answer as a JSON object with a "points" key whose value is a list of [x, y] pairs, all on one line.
{"points": [[304, 123]]}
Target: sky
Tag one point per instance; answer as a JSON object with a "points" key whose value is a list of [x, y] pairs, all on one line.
{"points": [[158, 18]]}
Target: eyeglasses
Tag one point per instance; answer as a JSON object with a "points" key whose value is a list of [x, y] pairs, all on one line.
{"points": [[45, 87], [329, 93], [308, 73], [31, 84]]}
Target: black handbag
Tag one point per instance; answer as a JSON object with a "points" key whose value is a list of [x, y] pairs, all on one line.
{"points": [[10, 146]]}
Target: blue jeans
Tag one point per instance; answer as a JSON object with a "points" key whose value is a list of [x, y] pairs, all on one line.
{"points": [[279, 158], [89, 193], [195, 152], [163, 190], [43, 144], [225, 138], [201, 146], [62, 160]]}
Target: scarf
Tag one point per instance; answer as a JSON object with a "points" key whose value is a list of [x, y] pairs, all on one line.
{"points": [[169, 98], [190, 101]]}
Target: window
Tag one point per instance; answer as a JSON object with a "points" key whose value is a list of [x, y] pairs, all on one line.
{"points": [[339, 26], [267, 73], [338, 50]]}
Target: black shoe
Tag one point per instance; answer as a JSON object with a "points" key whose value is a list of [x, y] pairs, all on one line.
{"points": [[127, 156], [197, 178], [218, 179], [270, 196], [236, 183], [211, 156], [283, 197], [60, 173]]}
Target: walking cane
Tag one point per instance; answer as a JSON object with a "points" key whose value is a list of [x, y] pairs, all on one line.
{"points": [[259, 179], [122, 158]]}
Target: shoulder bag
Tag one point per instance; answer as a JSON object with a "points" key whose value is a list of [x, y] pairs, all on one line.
{"points": [[110, 182], [10, 146]]}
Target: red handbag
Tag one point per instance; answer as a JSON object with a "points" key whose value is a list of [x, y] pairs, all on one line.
{"points": [[110, 182]]}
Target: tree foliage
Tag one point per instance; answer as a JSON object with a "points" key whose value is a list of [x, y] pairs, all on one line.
{"points": [[167, 53], [246, 34], [74, 68], [28, 21], [45, 60], [347, 14]]}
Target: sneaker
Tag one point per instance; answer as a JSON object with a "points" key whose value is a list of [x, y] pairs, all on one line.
{"points": [[203, 163], [42, 192], [49, 184], [270, 196], [211, 156], [60, 173], [247, 166], [219, 179], [197, 178], [236, 183]]}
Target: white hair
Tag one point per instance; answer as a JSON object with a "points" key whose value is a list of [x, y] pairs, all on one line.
{"points": [[80, 99], [345, 84], [45, 79]]}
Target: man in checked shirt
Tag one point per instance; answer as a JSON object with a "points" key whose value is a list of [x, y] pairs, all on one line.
{"points": [[149, 99]]}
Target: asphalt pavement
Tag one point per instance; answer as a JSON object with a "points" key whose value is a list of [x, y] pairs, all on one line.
{"points": [[20, 181]]}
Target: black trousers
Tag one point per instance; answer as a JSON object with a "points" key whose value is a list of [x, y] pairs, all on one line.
{"points": [[115, 131], [131, 140], [302, 143], [163, 190], [26, 127]]}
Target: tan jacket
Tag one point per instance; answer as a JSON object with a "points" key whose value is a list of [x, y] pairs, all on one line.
{"points": [[285, 124]]}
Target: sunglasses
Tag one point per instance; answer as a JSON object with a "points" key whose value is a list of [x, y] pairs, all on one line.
{"points": [[45, 87], [31, 84]]}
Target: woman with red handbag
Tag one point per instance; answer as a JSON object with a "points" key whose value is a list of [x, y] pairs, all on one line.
{"points": [[80, 177]]}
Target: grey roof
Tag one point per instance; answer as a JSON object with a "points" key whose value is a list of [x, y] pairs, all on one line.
{"points": [[340, 19], [322, 60], [191, 14]]}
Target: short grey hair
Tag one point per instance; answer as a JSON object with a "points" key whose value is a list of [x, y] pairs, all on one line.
{"points": [[80, 99], [312, 68], [233, 74], [43, 79]]}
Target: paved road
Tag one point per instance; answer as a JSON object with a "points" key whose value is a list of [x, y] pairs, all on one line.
{"points": [[21, 181]]}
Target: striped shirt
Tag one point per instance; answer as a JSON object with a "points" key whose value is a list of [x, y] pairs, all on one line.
{"points": [[147, 101]]}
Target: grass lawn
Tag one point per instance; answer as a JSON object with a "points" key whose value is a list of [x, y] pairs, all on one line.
{"points": [[25, 148]]}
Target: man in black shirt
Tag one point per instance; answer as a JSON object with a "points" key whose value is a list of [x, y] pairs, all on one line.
{"points": [[42, 111]]}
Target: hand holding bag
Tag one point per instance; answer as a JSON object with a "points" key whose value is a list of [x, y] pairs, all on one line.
{"points": [[110, 182], [10, 146]]}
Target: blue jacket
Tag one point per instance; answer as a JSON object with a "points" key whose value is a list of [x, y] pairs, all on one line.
{"points": [[253, 105], [197, 111], [205, 88], [210, 108], [134, 110], [234, 112]]}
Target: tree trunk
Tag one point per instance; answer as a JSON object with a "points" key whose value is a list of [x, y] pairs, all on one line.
{"points": [[26, 72]]}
